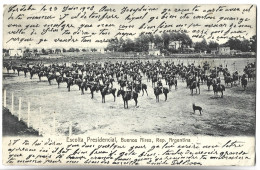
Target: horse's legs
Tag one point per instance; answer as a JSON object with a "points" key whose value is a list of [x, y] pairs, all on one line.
{"points": [[165, 96], [58, 84], [91, 94], [199, 90], [146, 92], [222, 94], [135, 102], [114, 97]]}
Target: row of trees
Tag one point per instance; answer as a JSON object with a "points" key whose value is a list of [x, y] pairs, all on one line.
{"points": [[234, 44], [141, 43]]}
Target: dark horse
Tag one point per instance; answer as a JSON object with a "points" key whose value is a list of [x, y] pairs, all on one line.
{"points": [[92, 87], [171, 83], [69, 81], [209, 82], [126, 95], [228, 79], [218, 88], [106, 91], [41, 74], [244, 82], [59, 80], [154, 80], [158, 91], [51, 77], [194, 85], [142, 87]]}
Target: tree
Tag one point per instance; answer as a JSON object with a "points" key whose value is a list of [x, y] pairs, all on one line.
{"points": [[201, 46], [212, 46], [43, 51], [234, 44], [57, 50], [245, 46], [64, 50], [253, 42], [166, 40], [71, 50], [128, 45]]}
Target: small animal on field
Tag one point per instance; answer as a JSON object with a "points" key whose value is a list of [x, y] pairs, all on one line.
{"points": [[196, 108]]}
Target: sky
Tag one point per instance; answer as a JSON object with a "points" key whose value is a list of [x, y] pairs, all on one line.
{"points": [[120, 21]]}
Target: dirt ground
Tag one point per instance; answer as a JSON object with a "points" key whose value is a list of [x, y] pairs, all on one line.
{"points": [[234, 114]]}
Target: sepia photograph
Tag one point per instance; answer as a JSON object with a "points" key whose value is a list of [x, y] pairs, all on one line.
{"points": [[139, 74]]}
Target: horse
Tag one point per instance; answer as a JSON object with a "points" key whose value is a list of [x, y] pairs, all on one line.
{"points": [[59, 80], [50, 77], [32, 72], [41, 74], [228, 79], [128, 95], [8, 67], [194, 85], [78, 81], [244, 82], [93, 87], [25, 70], [172, 82], [142, 87], [154, 80], [19, 69], [218, 88], [209, 82], [106, 91], [69, 81], [158, 91]]}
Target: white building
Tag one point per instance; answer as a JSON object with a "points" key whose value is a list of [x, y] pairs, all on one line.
{"points": [[15, 52]]}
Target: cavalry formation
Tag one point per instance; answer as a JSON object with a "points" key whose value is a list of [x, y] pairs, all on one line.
{"points": [[133, 76]]}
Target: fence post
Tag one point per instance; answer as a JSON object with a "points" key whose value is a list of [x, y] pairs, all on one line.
{"points": [[4, 97], [20, 106], [28, 115], [40, 120], [12, 112], [70, 129], [54, 127]]}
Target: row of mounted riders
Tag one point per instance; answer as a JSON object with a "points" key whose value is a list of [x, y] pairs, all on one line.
{"points": [[129, 77]]}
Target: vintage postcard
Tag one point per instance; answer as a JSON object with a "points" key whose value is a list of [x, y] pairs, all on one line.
{"points": [[129, 85]]}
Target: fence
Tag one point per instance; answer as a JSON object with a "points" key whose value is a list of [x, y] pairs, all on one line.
{"points": [[32, 118]]}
